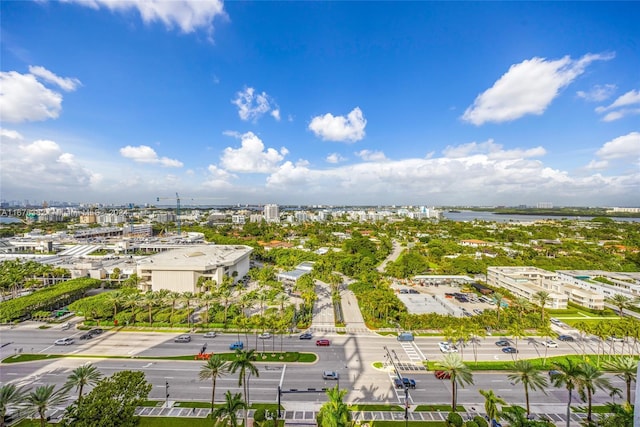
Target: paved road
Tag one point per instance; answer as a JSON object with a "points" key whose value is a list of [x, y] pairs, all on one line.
{"points": [[352, 356]]}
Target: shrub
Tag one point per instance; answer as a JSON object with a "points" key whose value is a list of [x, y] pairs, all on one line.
{"points": [[454, 420], [480, 421]]}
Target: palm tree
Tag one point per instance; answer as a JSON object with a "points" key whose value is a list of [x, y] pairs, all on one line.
{"points": [[476, 331], [491, 402], [334, 413], [620, 301], [187, 297], [546, 332], [227, 412], [115, 298], [516, 331], [626, 368], [460, 374], [567, 375], [42, 399], [529, 376], [516, 416], [82, 376], [244, 363], [149, 299], [590, 379], [498, 297], [10, 395], [541, 298], [213, 369]]}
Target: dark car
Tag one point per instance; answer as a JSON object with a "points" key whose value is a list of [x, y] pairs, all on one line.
{"points": [[95, 331], [509, 350], [502, 343], [553, 373], [306, 336], [565, 338], [86, 336], [322, 343], [442, 375]]}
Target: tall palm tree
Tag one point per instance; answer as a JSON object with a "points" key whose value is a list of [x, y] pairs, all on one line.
{"points": [[516, 331], [491, 402], [541, 298], [591, 379], [244, 363], [10, 396], [43, 398], [568, 375], [515, 416], [620, 301], [334, 413], [498, 297], [149, 300], [82, 376], [227, 411], [476, 331], [530, 377], [115, 299], [625, 368], [213, 369], [460, 374], [186, 298]]}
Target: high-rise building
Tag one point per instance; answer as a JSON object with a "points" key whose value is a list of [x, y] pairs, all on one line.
{"points": [[271, 213]]}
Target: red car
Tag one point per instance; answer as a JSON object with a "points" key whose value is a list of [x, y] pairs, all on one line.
{"points": [[442, 375], [322, 343]]}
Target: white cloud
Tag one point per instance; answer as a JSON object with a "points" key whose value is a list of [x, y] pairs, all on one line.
{"points": [[11, 134], [24, 98], [527, 88], [371, 156], [491, 150], [630, 98], [339, 128], [146, 154], [68, 84], [597, 93], [252, 157], [622, 147], [187, 15], [335, 158], [252, 105], [43, 167], [218, 178]]}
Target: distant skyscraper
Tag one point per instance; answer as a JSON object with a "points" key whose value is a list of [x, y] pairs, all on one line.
{"points": [[271, 213], [545, 205]]}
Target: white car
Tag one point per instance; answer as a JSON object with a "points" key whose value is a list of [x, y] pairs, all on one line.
{"points": [[265, 336], [445, 347], [211, 334], [64, 341], [615, 339], [550, 344]]}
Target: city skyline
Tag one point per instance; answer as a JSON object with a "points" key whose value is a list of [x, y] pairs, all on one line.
{"points": [[329, 103]]}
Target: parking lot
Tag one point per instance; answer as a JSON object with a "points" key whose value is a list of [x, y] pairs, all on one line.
{"points": [[443, 296]]}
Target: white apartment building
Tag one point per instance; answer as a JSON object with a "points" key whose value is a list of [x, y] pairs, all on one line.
{"points": [[271, 213], [525, 282], [623, 283]]}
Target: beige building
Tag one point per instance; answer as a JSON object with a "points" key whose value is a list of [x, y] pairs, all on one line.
{"points": [[179, 270]]}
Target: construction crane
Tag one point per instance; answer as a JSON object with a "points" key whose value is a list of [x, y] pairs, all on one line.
{"points": [[177, 199]]}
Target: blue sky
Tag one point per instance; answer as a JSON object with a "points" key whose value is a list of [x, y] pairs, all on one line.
{"points": [[406, 103]]}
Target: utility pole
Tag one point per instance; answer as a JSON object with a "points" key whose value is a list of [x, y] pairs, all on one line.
{"points": [[166, 390], [406, 386]]}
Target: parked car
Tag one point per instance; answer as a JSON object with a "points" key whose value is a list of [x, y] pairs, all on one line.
{"points": [[503, 343], [330, 375], [614, 338], [550, 344], [442, 375], [182, 338], [265, 336], [322, 343], [210, 334], [306, 336], [64, 341], [565, 338], [238, 345], [509, 350]]}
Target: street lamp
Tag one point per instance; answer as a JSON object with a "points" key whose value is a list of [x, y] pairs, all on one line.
{"points": [[166, 392]]}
